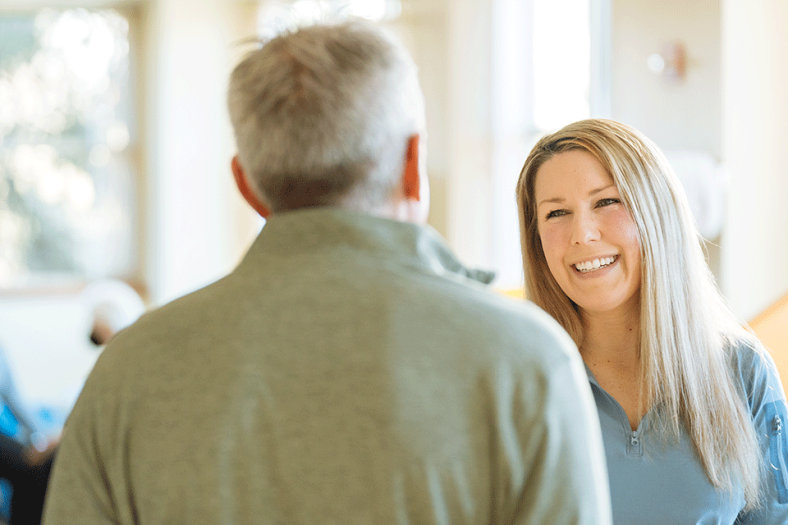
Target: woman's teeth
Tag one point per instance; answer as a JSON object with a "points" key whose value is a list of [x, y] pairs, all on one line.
{"points": [[596, 264]]}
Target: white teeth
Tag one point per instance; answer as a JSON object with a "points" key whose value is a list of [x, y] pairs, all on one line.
{"points": [[596, 264]]}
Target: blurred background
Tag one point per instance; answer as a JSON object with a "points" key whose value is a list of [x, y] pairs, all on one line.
{"points": [[115, 144]]}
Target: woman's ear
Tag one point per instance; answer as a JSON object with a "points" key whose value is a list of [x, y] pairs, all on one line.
{"points": [[246, 190]]}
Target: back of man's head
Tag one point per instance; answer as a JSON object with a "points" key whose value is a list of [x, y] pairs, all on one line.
{"points": [[323, 114]]}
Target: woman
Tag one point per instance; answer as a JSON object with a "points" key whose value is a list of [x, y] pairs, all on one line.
{"points": [[690, 404]]}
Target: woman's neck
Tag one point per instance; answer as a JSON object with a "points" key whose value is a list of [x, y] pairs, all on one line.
{"points": [[610, 349], [611, 336]]}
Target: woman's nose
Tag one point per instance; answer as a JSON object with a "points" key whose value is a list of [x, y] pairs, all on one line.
{"points": [[584, 229]]}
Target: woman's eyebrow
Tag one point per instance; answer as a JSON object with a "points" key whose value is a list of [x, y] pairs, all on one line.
{"points": [[558, 200], [552, 200], [599, 190]]}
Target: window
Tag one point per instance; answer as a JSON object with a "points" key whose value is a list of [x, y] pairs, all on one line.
{"points": [[543, 79], [66, 189], [561, 63], [276, 15]]}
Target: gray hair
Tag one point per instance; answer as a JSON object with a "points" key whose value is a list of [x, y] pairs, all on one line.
{"points": [[322, 115]]}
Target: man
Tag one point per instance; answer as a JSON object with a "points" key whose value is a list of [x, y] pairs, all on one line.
{"points": [[350, 370]]}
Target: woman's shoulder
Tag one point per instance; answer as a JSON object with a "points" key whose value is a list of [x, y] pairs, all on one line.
{"points": [[753, 367], [747, 353]]}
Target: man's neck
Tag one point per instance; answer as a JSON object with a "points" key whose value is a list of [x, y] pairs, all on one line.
{"points": [[403, 210]]}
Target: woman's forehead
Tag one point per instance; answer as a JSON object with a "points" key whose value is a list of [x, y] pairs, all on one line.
{"points": [[573, 172]]}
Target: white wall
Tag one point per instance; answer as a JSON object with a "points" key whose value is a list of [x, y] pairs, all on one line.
{"points": [[470, 150], [45, 340], [683, 115], [755, 123], [195, 227]]}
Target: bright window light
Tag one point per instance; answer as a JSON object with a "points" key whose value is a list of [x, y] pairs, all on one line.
{"points": [[561, 62], [66, 193], [540, 82], [276, 15]]}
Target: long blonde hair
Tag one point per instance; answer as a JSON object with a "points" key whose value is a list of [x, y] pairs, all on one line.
{"points": [[686, 328]]}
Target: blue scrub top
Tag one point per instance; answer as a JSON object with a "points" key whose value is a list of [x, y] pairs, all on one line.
{"points": [[658, 483]]}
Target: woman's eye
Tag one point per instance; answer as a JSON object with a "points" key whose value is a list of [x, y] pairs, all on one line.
{"points": [[607, 202], [555, 213]]}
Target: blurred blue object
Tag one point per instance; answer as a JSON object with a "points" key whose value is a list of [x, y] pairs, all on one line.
{"points": [[8, 423], [5, 499], [8, 426]]}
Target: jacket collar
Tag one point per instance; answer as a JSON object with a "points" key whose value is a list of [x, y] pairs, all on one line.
{"points": [[310, 230]]}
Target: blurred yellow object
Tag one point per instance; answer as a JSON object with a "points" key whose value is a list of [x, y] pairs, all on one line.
{"points": [[771, 327], [513, 292]]}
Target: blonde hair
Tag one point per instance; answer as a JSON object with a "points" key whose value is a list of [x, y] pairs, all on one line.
{"points": [[687, 330], [322, 115]]}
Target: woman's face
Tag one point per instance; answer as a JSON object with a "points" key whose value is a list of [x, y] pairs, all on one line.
{"points": [[589, 238]]}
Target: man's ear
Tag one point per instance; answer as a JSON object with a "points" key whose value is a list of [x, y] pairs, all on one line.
{"points": [[411, 176], [246, 190]]}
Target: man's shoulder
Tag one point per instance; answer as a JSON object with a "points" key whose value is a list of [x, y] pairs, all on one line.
{"points": [[445, 309], [507, 325], [175, 321]]}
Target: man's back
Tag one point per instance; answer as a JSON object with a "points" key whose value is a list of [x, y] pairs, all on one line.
{"points": [[348, 371]]}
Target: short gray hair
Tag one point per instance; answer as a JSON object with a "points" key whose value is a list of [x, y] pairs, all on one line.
{"points": [[322, 115]]}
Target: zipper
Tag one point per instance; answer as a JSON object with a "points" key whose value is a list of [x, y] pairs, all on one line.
{"points": [[778, 460], [634, 438], [635, 445]]}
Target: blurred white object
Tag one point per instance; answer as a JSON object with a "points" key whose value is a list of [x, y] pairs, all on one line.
{"points": [[114, 306], [704, 182], [671, 63]]}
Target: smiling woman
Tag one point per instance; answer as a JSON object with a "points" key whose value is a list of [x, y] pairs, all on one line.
{"points": [[691, 405]]}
